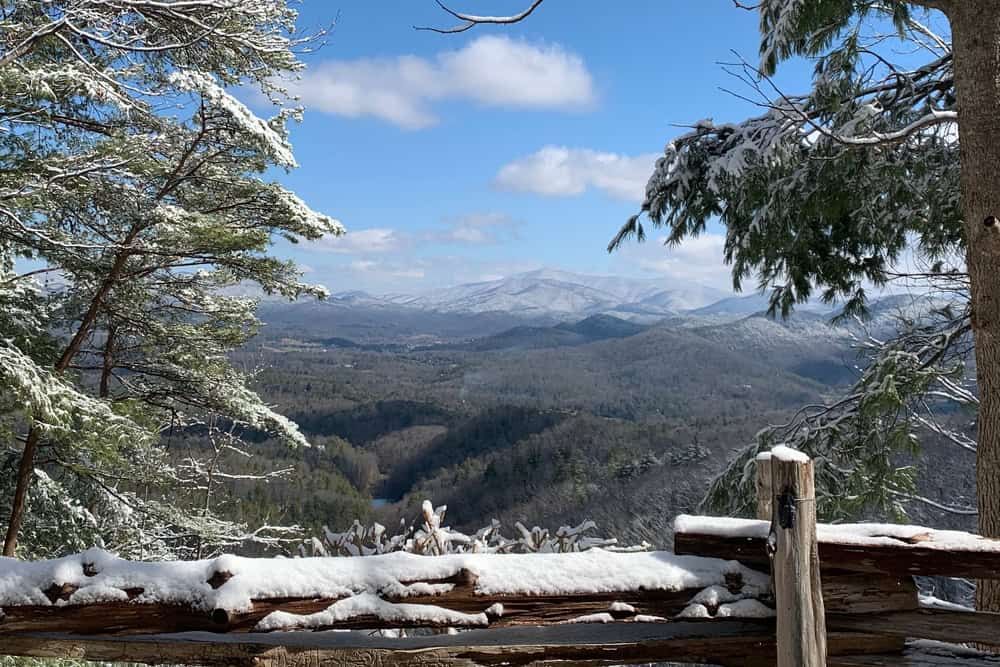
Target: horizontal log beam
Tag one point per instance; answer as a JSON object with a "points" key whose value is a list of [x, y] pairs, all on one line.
{"points": [[124, 618], [845, 593], [97, 593], [716, 642], [919, 553], [920, 654], [939, 624]]}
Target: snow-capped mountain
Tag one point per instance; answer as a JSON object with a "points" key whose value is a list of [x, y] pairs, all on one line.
{"points": [[754, 303], [553, 293]]}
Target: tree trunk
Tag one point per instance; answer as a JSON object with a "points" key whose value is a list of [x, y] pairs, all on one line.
{"points": [[17, 505], [976, 42], [27, 466], [108, 364]]}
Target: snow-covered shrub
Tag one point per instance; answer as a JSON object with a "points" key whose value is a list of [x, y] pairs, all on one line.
{"points": [[429, 537]]}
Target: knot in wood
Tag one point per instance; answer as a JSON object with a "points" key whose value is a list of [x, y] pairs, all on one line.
{"points": [[990, 221], [786, 510]]}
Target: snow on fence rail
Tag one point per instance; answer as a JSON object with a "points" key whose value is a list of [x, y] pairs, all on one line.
{"points": [[690, 606], [88, 592], [863, 547]]}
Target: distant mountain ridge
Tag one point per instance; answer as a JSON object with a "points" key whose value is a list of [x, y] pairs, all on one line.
{"points": [[549, 308], [590, 330], [559, 294]]}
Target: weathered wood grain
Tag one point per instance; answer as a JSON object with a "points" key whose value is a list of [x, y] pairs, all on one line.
{"points": [[765, 492], [798, 596], [716, 642], [130, 618], [917, 654], [854, 593], [981, 628], [842, 592]]}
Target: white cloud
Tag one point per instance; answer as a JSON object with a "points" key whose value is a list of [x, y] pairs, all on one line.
{"points": [[557, 171], [697, 259], [491, 70], [477, 229], [361, 242], [469, 229], [386, 269]]}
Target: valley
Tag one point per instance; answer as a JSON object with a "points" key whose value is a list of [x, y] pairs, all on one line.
{"points": [[529, 416], [535, 415]]}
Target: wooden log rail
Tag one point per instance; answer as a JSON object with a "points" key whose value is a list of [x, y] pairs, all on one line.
{"points": [[884, 555], [875, 548], [713, 601], [731, 643], [75, 595], [95, 593]]}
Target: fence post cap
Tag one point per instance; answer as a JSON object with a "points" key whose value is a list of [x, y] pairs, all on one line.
{"points": [[787, 454]]}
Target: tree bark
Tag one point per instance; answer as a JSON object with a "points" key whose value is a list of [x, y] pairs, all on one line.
{"points": [[975, 28], [20, 499], [27, 464], [108, 363]]}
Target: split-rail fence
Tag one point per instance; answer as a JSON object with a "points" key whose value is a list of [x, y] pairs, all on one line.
{"points": [[777, 590]]}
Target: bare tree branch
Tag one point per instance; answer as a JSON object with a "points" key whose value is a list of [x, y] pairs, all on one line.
{"points": [[471, 20]]}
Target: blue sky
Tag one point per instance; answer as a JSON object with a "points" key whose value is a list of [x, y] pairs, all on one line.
{"points": [[455, 158]]}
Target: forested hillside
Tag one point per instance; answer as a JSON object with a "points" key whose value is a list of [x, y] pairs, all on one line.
{"points": [[519, 420], [606, 419]]}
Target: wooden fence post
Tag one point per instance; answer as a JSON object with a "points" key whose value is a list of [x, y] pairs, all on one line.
{"points": [[765, 492], [801, 622]]}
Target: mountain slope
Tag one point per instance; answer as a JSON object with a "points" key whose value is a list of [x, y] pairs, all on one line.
{"points": [[524, 337], [548, 292]]}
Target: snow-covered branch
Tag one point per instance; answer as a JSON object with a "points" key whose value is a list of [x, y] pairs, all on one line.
{"points": [[472, 20]]}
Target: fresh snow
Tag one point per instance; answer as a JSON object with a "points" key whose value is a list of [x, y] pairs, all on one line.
{"points": [[789, 455], [860, 534], [371, 605], [945, 649], [602, 617], [185, 582], [648, 618], [694, 610], [713, 596], [931, 602], [748, 608]]}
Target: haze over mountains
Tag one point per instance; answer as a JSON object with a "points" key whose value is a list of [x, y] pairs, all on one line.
{"points": [[548, 293], [529, 304]]}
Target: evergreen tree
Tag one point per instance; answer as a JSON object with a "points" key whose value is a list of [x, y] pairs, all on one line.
{"points": [[828, 190], [132, 174]]}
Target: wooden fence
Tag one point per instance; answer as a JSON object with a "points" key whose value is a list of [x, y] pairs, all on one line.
{"points": [[777, 590]]}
